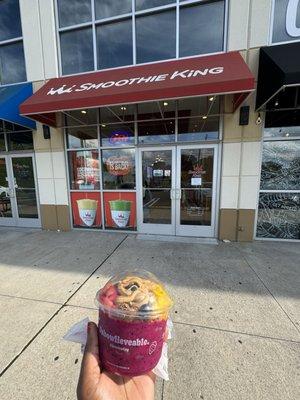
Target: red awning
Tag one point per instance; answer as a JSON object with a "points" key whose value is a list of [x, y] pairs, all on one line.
{"points": [[225, 73]]}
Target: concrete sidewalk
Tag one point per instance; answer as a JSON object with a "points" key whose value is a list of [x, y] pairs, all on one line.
{"points": [[236, 314]]}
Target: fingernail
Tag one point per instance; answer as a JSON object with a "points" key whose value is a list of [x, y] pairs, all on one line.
{"points": [[89, 325]]}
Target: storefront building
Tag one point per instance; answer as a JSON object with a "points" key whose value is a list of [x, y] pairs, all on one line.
{"points": [[152, 119]]}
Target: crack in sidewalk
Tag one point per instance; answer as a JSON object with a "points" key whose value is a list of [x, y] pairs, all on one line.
{"points": [[60, 308]]}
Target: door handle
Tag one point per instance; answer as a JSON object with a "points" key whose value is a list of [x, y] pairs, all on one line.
{"points": [[175, 194]]}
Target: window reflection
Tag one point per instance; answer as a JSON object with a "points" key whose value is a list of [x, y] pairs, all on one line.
{"points": [[20, 141], [198, 106], [77, 51], [2, 142], [144, 4], [10, 21], [193, 129], [81, 117], [73, 12], [12, 63], [156, 131], [114, 42], [109, 8], [156, 36], [197, 34], [122, 113], [156, 110], [84, 170], [85, 137]]}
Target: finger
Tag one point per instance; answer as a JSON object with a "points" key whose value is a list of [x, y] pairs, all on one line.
{"points": [[90, 366], [91, 353], [166, 334]]}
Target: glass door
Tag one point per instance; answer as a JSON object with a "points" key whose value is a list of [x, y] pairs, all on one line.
{"points": [[18, 197], [156, 210], [196, 190], [7, 214]]}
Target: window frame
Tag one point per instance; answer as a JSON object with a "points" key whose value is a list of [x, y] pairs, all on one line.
{"points": [[13, 41], [175, 5]]}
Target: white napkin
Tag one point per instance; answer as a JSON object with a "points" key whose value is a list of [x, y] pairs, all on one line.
{"points": [[78, 334]]}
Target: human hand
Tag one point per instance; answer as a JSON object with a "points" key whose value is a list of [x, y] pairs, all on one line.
{"points": [[96, 384]]}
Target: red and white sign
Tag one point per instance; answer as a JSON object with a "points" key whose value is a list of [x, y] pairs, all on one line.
{"points": [[195, 76], [119, 166]]}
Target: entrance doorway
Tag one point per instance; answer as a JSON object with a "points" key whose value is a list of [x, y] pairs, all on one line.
{"points": [[177, 193], [18, 197]]}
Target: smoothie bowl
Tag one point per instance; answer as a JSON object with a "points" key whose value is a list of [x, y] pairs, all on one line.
{"points": [[133, 312]]}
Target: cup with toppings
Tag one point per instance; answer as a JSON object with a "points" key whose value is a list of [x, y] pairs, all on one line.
{"points": [[133, 312]]}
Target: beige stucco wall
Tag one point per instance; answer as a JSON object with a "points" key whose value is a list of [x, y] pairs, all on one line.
{"points": [[39, 39], [51, 177]]}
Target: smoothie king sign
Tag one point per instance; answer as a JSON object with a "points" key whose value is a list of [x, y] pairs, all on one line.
{"points": [[151, 79]]}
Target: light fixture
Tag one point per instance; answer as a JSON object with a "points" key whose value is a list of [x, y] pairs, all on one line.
{"points": [[166, 103], [204, 117], [103, 125], [83, 112], [276, 103], [123, 108], [211, 98], [287, 134]]}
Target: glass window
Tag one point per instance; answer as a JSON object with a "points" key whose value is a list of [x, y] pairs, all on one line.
{"points": [[156, 131], [120, 113], [2, 142], [20, 141], [118, 167], [281, 165], [283, 119], [192, 129], [77, 51], [198, 106], [12, 63], [279, 215], [198, 35], [117, 135], [196, 186], [84, 170], [114, 42], [156, 36], [282, 132], [156, 110], [85, 137], [73, 12], [81, 117], [111, 8], [157, 184], [284, 28], [10, 21], [144, 4]]}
